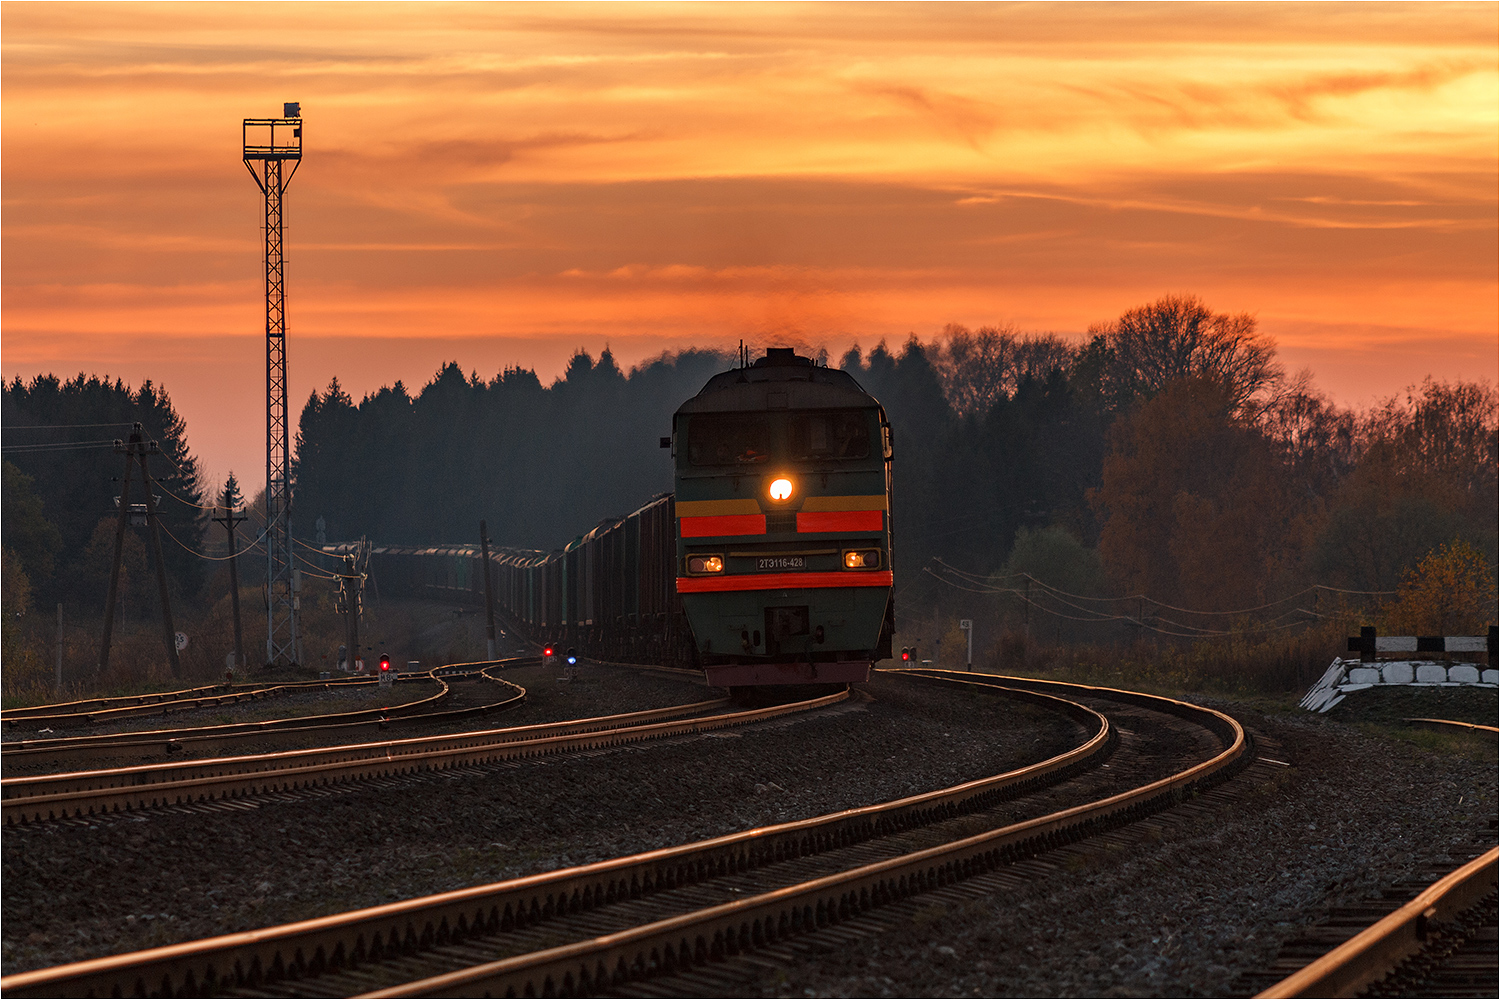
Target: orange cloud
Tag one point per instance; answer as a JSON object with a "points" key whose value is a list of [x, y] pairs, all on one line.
{"points": [[530, 178]]}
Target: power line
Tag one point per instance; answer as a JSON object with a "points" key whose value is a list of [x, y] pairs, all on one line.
{"points": [[62, 427], [977, 578], [1197, 632], [28, 449], [248, 548]]}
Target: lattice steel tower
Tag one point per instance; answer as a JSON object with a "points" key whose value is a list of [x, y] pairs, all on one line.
{"points": [[270, 143]]}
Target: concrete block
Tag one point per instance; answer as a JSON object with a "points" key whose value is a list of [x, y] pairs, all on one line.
{"points": [[1432, 673], [1364, 675], [1464, 673], [1399, 672], [1491, 677]]}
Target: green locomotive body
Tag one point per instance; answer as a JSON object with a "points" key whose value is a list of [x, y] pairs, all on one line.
{"points": [[783, 509]]}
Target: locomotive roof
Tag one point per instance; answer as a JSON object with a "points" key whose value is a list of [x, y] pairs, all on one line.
{"points": [[782, 379]]}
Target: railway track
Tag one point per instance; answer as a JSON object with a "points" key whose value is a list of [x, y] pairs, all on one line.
{"points": [[40, 798], [588, 929], [1423, 939], [46, 754], [104, 710]]}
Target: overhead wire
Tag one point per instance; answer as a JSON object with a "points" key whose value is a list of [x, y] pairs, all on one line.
{"points": [[978, 578], [320, 573], [1189, 631], [30, 449], [251, 547], [66, 427]]}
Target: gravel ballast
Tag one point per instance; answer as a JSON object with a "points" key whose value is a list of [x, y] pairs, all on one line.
{"points": [[75, 892], [1209, 902], [1187, 913]]}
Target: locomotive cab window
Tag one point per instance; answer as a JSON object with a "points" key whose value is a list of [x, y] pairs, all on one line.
{"points": [[826, 434], [728, 439]]}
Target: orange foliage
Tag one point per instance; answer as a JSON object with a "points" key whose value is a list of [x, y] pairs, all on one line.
{"points": [[1450, 592], [1191, 501]]}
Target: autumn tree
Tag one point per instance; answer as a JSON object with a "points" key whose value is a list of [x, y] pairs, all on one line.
{"points": [[1179, 337], [1450, 592], [1425, 475], [1191, 501]]}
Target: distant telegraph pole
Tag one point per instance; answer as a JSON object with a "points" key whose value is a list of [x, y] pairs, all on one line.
{"points": [[489, 603], [137, 448], [230, 519], [270, 143]]}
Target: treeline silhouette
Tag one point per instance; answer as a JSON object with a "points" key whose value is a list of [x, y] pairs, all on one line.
{"points": [[1166, 454]]}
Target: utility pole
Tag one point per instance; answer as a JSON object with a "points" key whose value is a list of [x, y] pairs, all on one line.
{"points": [[138, 448], [1026, 610], [59, 649], [276, 142], [114, 568], [161, 566], [348, 603], [489, 601], [231, 518]]}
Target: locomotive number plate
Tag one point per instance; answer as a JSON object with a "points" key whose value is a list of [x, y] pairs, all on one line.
{"points": [[781, 562]]}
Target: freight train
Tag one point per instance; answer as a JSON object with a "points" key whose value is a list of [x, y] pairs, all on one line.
{"points": [[769, 564]]}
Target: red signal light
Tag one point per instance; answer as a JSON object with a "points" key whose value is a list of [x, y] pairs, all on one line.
{"points": [[905, 653], [547, 651], [385, 663]]}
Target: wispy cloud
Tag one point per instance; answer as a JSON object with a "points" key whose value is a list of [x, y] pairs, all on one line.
{"points": [[546, 172]]}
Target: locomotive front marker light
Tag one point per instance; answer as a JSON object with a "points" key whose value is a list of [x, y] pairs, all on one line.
{"points": [[861, 558], [781, 489], [705, 564]]}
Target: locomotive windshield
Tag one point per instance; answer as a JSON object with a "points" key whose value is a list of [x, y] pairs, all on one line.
{"points": [[829, 434], [729, 439], [741, 439]]}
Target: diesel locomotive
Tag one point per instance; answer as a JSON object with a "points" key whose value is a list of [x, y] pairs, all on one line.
{"points": [[769, 564]]}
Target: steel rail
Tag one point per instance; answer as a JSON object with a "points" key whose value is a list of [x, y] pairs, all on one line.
{"points": [[171, 740], [23, 747], [310, 946], [212, 701], [14, 714], [145, 704], [690, 939], [1440, 725], [53, 796], [1382, 946], [162, 774]]}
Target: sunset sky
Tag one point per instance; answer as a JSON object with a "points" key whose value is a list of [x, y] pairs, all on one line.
{"points": [[502, 184]]}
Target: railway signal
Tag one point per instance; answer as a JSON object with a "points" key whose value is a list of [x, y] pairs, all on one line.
{"points": [[905, 654], [572, 657]]}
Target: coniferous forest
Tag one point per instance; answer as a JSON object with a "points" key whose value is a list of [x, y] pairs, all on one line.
{"points": [[1164, 478]]}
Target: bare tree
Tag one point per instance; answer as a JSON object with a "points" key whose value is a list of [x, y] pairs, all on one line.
{"points": [[1178, 337], [977, 368]]}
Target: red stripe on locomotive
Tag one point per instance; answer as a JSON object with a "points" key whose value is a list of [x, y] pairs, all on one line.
{"points": [[780, 581], [840, 520], [723, 524]]}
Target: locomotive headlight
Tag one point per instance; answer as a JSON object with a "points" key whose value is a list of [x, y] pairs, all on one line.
{"points": [[861, 558], [705, 564], [781, 489]]}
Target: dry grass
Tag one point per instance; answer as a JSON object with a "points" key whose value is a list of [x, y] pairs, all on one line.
{"points": [[1280, 664]]}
